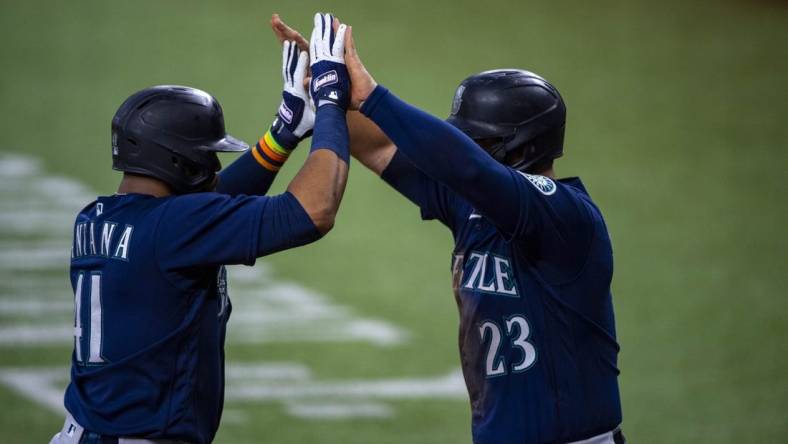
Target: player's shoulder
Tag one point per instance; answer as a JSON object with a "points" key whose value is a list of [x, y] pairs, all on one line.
{"points": [[568, 187], [565, 190], [577, 189], [197, 200], [196, 207], [118, 205], [203, 201], [542, 184], [564, 204], [87, 210]]}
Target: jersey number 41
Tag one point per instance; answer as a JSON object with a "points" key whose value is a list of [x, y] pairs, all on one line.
{"points": [[88, 291]]}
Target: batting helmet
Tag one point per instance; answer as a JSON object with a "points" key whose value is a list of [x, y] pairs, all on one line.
{"points": [[514, 112], [171, 133]]}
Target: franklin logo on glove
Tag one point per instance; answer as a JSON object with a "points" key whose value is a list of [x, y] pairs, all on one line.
{"points": [[285, 113], [328, 78]]}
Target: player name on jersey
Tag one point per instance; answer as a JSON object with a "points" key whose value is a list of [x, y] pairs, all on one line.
{"points": [[106, 240], [490, 274]]}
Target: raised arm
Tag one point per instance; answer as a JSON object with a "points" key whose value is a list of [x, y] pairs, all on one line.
{"points": [[435, 147], [377, 152], [254, 172], [214, 228], [320, 183], [368, 143], [371, 147]]}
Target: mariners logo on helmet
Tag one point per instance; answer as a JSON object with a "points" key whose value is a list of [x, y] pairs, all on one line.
{"points": [[455, 104], [114, 143]]}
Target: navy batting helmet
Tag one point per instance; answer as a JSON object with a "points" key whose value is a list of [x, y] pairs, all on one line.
{"points": [[518, 115], [171, 133]]}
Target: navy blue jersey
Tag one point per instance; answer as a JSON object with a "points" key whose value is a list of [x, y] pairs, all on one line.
{"points": [[537, 338], [151, 306]]}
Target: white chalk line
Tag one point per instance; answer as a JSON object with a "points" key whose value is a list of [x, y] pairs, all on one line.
{"points": [[40, 385], [287, 383], [336, 410], [36, 219], [35, 203]]}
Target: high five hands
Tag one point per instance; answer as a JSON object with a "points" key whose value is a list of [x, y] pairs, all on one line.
{"points": [[361, 82], [330, 83]]}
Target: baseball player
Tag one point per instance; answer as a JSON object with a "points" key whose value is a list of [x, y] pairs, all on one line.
{"points": [[147, 263], [532, 262]]}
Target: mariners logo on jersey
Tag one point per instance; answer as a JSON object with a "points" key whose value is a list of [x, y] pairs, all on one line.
{"points": [[526, 334], [545, 185]]}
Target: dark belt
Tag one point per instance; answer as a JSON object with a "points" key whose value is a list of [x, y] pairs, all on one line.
{"points": [[618, 437], [95, 438]]}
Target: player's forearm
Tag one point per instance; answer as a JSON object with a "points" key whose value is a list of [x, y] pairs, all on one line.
{"points": [[320, 184], [368, 143], [254, 171], [319, 187], [444, 153], [245, 176]]}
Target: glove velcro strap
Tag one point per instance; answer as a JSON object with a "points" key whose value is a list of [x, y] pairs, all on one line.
{"points": [[281, 137], [269, 153]]}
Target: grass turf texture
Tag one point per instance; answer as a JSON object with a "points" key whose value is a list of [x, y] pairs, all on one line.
{"points": [[676, 123]]}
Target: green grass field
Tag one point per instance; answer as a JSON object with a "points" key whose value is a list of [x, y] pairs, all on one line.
{"points": [[676, 122]]}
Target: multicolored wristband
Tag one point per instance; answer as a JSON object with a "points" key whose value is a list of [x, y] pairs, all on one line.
{"points": [[269, 153]]}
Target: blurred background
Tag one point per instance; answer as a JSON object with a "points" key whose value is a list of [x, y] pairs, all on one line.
{"points": [[676, 123]]}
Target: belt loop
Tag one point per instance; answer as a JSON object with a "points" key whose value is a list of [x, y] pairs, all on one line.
{"points": [[618, 436], [71, 433]]}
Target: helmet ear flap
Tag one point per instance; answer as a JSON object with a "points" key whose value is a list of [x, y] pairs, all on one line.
{"points": [[540, 149], [193, 174], [494, 146]]}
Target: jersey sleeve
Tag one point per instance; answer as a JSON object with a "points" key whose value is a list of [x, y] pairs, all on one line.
{"points": [[435, 200], [247, 175], [554, 220], [446, 155], [205, 229]]}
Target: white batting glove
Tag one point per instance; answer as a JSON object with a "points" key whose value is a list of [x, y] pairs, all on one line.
{"points": [[330, 80], [296, 115]]}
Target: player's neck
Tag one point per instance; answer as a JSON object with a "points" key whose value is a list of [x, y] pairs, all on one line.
{"points": [[136, 184], [548, 173]]}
